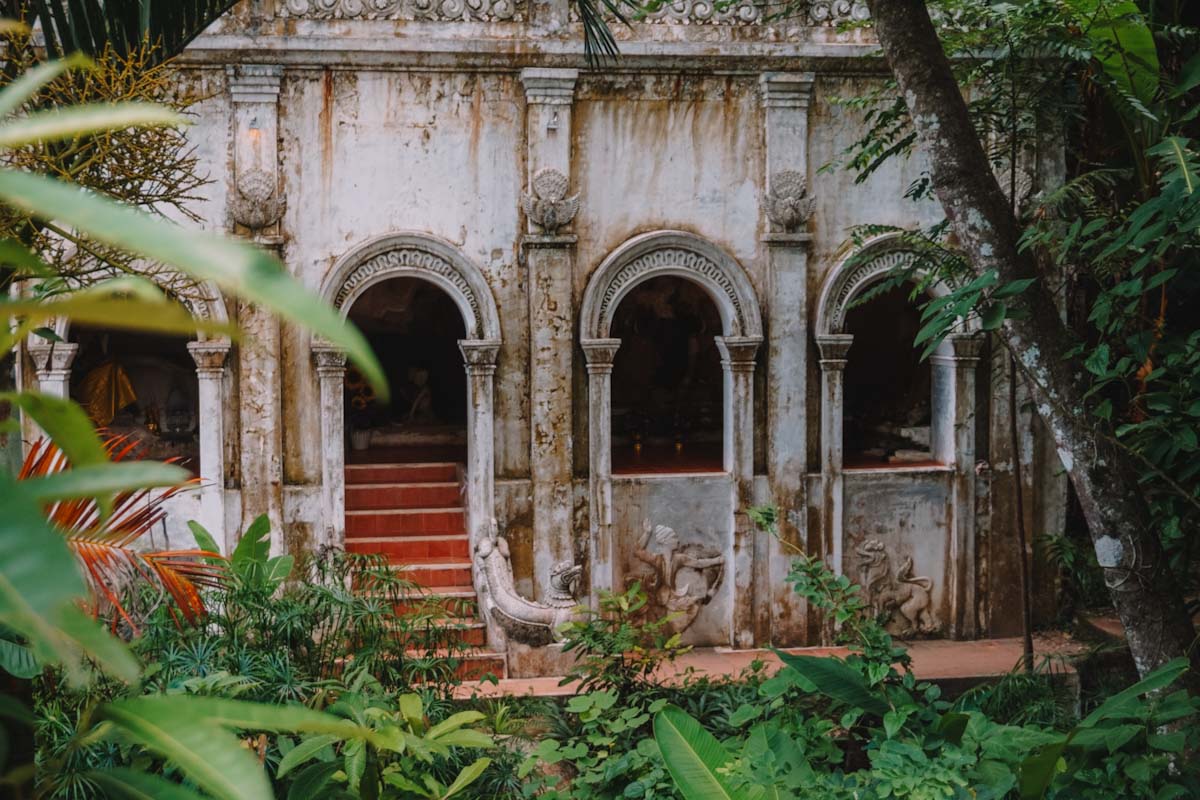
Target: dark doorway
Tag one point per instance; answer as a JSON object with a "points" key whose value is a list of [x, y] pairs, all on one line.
{"points": [[414, 328], [886, 412], [667, 382]]}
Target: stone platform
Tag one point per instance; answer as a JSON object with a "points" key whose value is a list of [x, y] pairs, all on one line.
{"points": [[954, 665]]}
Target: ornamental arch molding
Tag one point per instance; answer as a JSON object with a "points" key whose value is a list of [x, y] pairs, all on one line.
{"points": [[676, 253], [856, 273], [420, 256], [203, 301]]}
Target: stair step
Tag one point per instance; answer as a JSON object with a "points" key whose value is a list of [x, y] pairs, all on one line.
{"points": [[399, 522], [459, 601], [403, 549], [436, 572], [357, 474], [363, 496], [456, 631]]}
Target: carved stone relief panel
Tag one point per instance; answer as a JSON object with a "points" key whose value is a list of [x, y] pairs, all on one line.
{"points": [[672, 535], [445, 10], [898, 596], [746, 12]]}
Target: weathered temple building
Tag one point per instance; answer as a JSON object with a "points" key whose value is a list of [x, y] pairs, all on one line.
{"points": [[618, 306]]}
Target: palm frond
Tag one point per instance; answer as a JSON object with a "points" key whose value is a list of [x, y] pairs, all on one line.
{"points": [[107, 546]]}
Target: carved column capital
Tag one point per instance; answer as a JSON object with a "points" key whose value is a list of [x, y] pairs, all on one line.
{"points": [[599, 354], [479, 355], [738, 352], [329, 359], [549, 85], [209, 357], [834, 348], [967, 347], [52, 359], [786, 89]]}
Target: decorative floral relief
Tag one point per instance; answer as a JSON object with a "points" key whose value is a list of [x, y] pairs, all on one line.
{"points": [[548, 205], [901, 597], [742, 12], [788, 203], [447, 10]]}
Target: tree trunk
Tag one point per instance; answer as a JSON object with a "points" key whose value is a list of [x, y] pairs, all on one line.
{"points": [[1143, 590]]}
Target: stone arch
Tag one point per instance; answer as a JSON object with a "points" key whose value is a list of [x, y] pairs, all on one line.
{"points": [[857, 272], [675, 253], [421, 256]]}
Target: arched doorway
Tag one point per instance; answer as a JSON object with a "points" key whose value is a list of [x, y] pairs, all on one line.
{"points": [[667, 380], [411, 288], [414, 328]]}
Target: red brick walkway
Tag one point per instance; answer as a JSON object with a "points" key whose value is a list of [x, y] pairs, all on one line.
{"points": [[934, 660]]}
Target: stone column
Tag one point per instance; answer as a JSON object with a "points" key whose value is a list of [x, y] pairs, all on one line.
{"points": [[785, 99], [551, 349], [52, 364], [210, 359], [601, 553], [834, 348], [750, 616], [479, 357], [254, 94], [330, 363], [963, 362], [550, 258]]}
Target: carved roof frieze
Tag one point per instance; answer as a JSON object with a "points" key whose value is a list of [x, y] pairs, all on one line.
{"points": [[429, 10]]}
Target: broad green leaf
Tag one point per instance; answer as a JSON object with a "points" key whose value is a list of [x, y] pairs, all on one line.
{"points": [[18, 660], [311, 781], [1123, 45], [17, 255], [837, 680], [211, 757], [239, 269], [412, 709], [254, 546], [104, 309], [453, 722], [204, 540], [1120, 702], [692, 755], [13, 709], [83, 120], [278, 569], [65, 423], [138, 785], [30, 82], [104, 479], [465, 738], [303, 752], [109, 652], [466, 777], [1038, 770]]}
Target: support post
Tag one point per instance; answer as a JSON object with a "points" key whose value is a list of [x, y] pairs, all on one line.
{"points": [[963, 362], [834, 348], [601, 553], [750, 615], [479, 358], [52, 364], [210, 357], [330, 363]]}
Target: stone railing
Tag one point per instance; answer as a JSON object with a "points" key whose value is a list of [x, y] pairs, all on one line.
{"points": [[434, 10]]}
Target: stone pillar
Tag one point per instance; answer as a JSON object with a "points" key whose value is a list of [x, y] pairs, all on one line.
{"points": [[963, 362], [551, 261], [254, 94], [551, 350], [479, 357], [601, 553], [750, 610], [210, 380], [330, 363], [52, 364], [834, 348]]}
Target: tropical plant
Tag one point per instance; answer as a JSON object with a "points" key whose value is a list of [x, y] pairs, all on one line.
{"points": [[40, 583], [106, 540]]}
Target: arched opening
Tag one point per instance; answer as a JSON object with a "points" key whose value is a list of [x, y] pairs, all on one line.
{"points": [[414, 327], [667, 380], [143, 386], [888, 388]]}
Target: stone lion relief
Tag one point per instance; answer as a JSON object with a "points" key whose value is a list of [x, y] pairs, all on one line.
{"points": [[548, 205], [899, 596], [679, 579]]}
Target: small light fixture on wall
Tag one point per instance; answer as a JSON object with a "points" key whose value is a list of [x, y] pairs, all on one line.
{"points": [[552, 125]]}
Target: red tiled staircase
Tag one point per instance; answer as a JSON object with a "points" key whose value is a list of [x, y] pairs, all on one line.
{"points": [[414, 515]]}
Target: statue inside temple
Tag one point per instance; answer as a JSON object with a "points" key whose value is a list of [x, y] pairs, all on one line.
{"points": [[681, 579]]}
